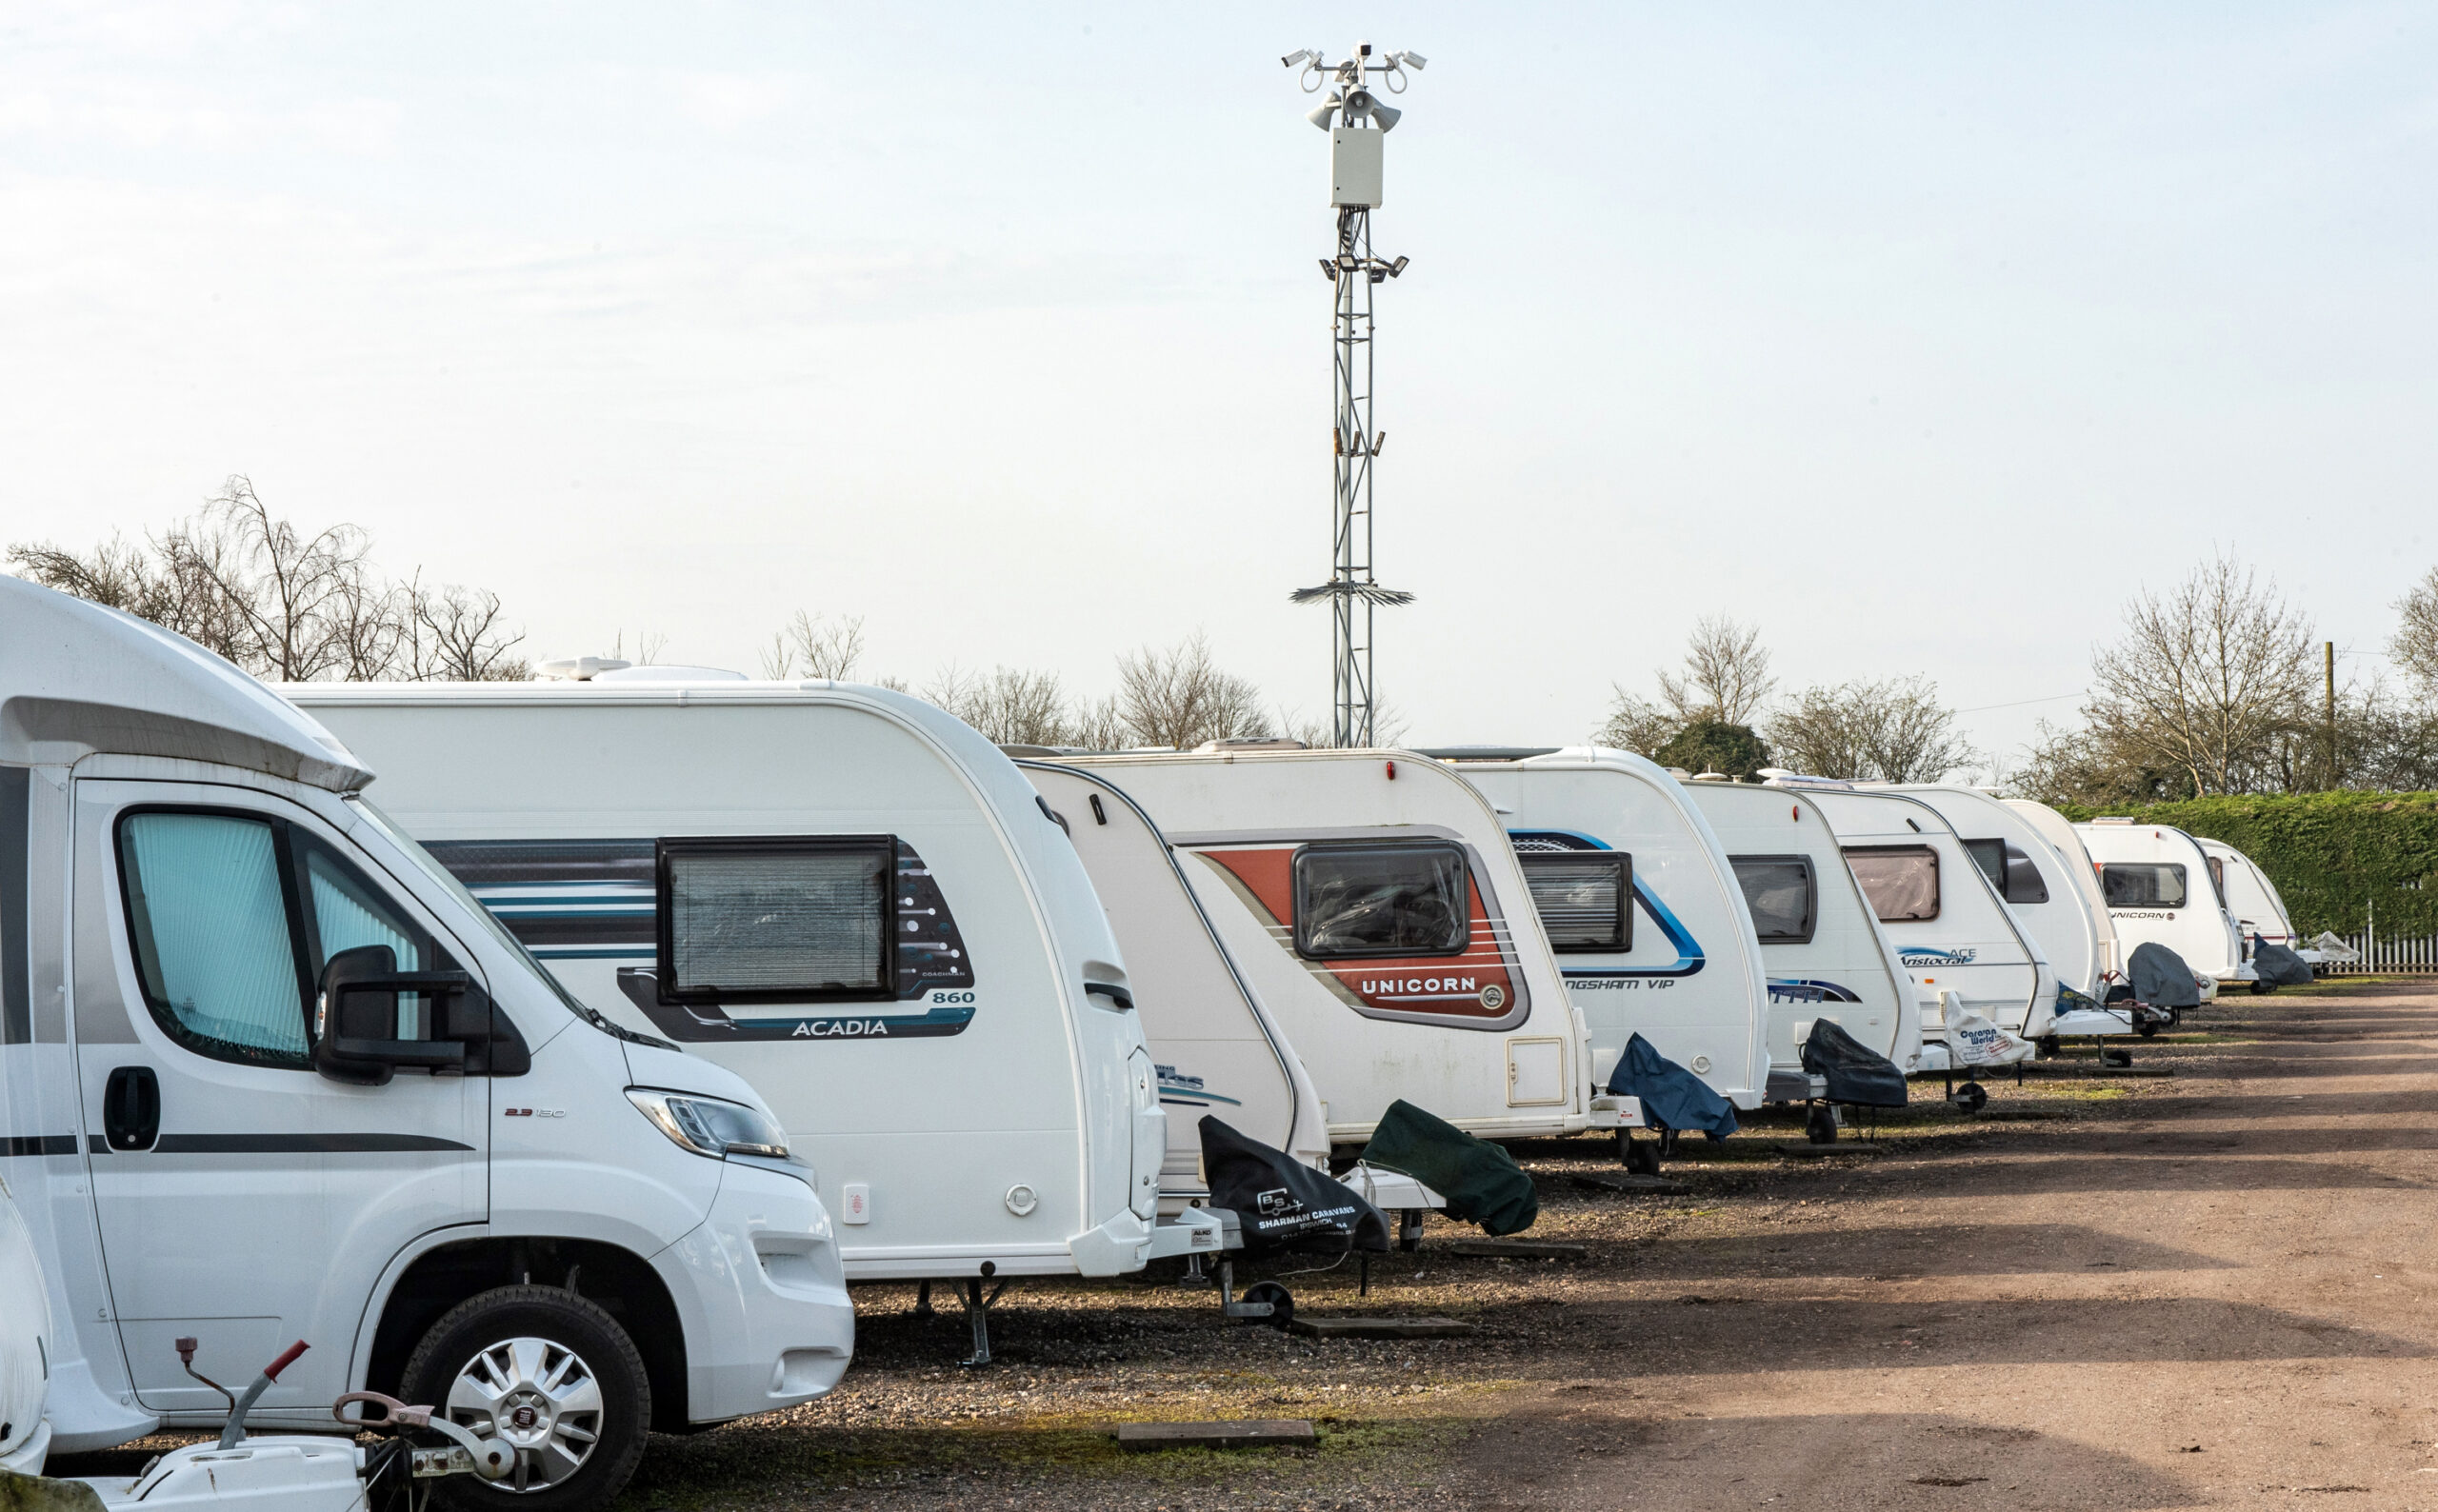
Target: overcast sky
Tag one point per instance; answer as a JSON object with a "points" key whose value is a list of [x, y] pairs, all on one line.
{"points": [[1921, 336]]}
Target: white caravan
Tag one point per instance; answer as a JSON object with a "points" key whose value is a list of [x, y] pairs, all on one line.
{"points": [[25, 1344], [2259, 909], [1214, 1046], [2159, 885], [1828, 957], [937, 1009], [1640, 905], [1372, 899], [266, 1073], [1950, 928], [2051, 891]]}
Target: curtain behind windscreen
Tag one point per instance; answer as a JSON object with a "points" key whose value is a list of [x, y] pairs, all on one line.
{"points": [[777, 923], [213, 928]]}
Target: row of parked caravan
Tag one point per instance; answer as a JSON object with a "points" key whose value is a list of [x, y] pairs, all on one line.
{"points": [[566, 1090]]}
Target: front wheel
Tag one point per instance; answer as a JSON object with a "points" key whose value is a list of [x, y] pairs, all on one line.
{"points": [[551, 1376], [2261, 990]]}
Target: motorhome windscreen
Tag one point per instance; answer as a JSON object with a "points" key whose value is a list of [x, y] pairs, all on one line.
{"points": [[776, 920], [1402, 900], [2010, 870], [2143, 885], [1583, 899], [1902, 882], [1781, 895]]}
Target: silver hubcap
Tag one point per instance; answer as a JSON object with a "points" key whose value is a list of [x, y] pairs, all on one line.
{"points": [[537, 1398]]}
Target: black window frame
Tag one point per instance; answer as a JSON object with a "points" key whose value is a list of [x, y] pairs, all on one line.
{"points": [[2015, 862], [2184, 878], [1939, 902], [1624, 862], [667, 846], [1464, 904], [288, 840], [1811, 895]]}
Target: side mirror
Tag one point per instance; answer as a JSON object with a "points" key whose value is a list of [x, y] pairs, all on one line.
{"points": [[356, 1018]]}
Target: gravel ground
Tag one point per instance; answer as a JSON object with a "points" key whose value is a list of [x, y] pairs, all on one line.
{"points": [[2202, 1289]]}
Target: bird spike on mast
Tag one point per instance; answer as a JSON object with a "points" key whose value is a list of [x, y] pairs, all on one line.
{"points": [[1356, 120]]}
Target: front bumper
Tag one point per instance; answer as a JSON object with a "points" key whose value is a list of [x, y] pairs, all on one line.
{"points": [[775, 1327]]}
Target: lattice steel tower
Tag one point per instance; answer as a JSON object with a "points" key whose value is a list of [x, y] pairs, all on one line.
{"points": [[1356, 121]]}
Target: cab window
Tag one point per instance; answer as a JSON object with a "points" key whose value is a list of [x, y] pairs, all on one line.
{"points": [[1902, 882], [209, 915], [1405, 900]]}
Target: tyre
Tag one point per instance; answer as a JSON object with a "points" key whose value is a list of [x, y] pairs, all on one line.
{"points": [[1970, 1098], [1641, 1156], [551, 1376], [1282, 1301], [2261, 990], [1821, 1129]]}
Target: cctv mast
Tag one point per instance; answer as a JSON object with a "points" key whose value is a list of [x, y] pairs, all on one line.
{"points": [[1356, 121]]}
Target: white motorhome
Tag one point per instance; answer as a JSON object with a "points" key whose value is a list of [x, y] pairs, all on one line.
{"points": [[1641, 907], [938, 1011], [1827, 954], [1215, 1048], [268, 1073], [2050, 886], [2159, 885], [2258, 907], [1375, 905], [1949, 927]]}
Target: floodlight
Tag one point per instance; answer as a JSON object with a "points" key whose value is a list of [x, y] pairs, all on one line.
{"points": [[1301, 55], [1397, 269], [1329, 269], [1320, 115]]}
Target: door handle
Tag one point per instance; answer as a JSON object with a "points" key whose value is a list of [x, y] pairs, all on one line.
{"points": [[131, 1108]]}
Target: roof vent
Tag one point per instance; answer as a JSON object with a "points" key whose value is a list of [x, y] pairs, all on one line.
{"points": [[1249, 743], [577, 668]]}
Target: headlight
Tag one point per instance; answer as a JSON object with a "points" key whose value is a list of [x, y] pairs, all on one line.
{"points": [[709, 1127]]}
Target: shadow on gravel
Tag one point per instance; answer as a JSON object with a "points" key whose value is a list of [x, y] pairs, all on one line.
{"points": [[2099, 1169], [1852, 1459], [790, 1461], [1946, 1249], [1707, 1334]]}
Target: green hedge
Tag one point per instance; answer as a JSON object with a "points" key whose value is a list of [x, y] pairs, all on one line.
{"points": [[2333, 856]]}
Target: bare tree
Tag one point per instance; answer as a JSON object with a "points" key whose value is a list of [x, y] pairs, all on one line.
{"points": [[283, 604], [1008, 705], [1891, 730], [2414, 645], [2207, 679], [815, 645], [1725, 681], [1179, 697]]}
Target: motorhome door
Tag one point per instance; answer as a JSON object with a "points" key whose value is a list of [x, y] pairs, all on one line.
{"points": [[245, 1199]]}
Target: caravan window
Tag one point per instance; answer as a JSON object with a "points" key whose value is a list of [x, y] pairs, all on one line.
{"points": [[209, 916], [777, 920], [2142, 885], [2218, 878], [2010, 870], [1902, 882], [1779, 891], [1584, 898], [1409, 900]]}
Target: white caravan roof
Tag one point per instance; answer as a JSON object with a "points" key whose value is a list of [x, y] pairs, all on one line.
{"points": [[1950, 928], [2042, 886], [1678, 964], [2250, 896], [80, 677], [1827, 955], [1476, 1028], [2159, 886], [983, 1104], [1214, 1046]]}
